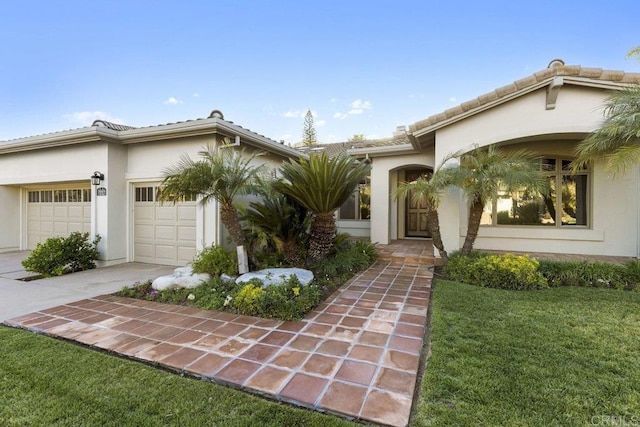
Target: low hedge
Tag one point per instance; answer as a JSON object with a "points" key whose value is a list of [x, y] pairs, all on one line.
{"points": [[510, 271], [496, 271], [60, 255]]}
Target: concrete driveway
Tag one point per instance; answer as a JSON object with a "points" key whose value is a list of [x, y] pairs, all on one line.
{"points": [[18, 297]]}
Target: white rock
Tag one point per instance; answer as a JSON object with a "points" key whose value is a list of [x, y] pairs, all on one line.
{"points": [[277, 276], [226, 279], [182, 277]]}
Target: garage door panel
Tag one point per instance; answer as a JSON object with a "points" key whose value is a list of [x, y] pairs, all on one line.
{"points": [[60, 212], [46, 211], [185, 254], [186, 213], [166, 252], [61, 229], [46, 227], [186, 233], [166, 213], [144, 212], [166, 232], [144, 250], [73, 227], [75, 212], [143, 232]]}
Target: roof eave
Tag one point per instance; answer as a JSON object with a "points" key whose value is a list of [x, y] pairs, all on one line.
{"points": [[58, 139], [206, 127], [389, 150], [573, 80]]}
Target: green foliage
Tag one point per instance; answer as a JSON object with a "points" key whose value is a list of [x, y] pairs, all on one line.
{"points": [[496, 271], [215, 260], [592, 274], [60, 255], [277, 224], [289, 301], [348, 259], [309, 135], [247, 300], [321, 184]]}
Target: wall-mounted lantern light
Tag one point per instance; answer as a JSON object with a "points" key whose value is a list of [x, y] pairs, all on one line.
{"points": [[96, 178]]}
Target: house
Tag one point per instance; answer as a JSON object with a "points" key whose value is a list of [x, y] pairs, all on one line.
{"points": [[549, 113], [46, 189]]}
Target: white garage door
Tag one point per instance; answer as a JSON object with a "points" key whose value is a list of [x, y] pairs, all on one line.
{"points": [[163, 233], [57, 212]]}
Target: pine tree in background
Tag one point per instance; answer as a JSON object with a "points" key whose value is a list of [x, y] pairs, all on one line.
{"points": [[309, 132]]}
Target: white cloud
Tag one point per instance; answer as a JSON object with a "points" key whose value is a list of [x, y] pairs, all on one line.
{"points": [[292, 114], [357, 107], [320, 123], [453, 99], [172, 101], [359, 104], [333, 100], [196, 95], [86, 118]]}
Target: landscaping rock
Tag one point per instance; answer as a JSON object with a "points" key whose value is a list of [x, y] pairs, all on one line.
{"points": [[182, 277], [277, 276]]}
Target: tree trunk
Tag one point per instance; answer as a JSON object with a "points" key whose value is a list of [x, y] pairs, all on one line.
{"points": [[292, 252], [475, 215], [231, 220], [433, 222], [323, 230]]}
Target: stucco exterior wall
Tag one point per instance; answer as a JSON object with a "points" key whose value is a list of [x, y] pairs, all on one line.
{"points": [[525, 122], [384, 179], [10, 225], [50, 165]]}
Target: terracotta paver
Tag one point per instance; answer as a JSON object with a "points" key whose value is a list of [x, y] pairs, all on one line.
{"points": [[357, 354]]}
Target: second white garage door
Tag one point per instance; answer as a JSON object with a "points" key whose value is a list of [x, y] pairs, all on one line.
{"points": [[163, 233]]}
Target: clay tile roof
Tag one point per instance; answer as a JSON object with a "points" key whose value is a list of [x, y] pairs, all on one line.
{"points": [[337, 148], [110, 125], [557, 68]]}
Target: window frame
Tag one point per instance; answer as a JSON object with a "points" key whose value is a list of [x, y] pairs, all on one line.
{"points": [[559, 172]]}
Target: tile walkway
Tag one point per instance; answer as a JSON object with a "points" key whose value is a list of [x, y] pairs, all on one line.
{"points": [[356, 355]]}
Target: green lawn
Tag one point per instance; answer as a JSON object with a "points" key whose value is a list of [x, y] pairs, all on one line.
{"points": [[568, 356], [45, 382]]}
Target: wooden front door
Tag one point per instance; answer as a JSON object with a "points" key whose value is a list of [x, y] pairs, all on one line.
{"points": [[416, 221]]}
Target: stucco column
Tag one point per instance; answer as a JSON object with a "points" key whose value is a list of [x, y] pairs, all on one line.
{"points": [[380, 205]]}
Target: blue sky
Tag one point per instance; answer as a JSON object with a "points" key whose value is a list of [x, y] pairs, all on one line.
{"points": [[363, 67]]}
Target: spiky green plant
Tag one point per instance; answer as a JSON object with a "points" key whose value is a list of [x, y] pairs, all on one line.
{"points": [[321, 184]]}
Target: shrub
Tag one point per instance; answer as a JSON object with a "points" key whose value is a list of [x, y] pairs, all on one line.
{"points": [[349, 258], [497, 271], [60, 255], [215, 260], [591, 274], [247, 300]]}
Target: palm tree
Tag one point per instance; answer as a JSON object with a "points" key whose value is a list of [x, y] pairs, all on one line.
{"points": [[483, 173], [618, 138], [321, 184], [222, 174], [428, 189]]}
